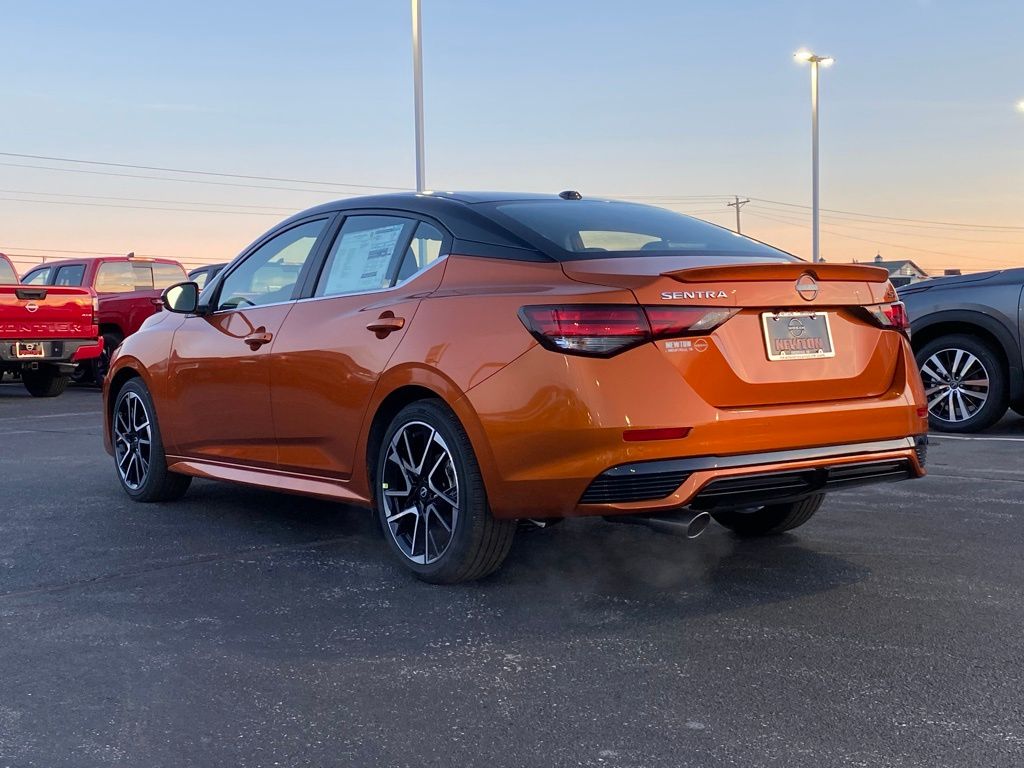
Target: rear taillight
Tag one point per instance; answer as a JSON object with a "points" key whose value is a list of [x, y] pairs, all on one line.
{"points": [[95, 309], [892, 316], [603, 330]]}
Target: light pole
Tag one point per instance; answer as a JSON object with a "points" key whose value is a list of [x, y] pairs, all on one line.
{"points": [[815, 61], [417, 77]]}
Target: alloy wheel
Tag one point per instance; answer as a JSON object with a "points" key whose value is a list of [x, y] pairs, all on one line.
{"points": [[956, 384], [133, 441], [421, 492]]}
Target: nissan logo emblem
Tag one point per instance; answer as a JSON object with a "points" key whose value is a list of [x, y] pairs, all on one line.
{"points": [[807, 287], [31, 306]]}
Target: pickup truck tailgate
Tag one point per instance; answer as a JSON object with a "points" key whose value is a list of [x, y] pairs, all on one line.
{"points": [[29, 312]]}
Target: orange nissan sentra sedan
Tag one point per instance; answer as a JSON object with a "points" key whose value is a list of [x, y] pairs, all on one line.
{"points": [[461, 363]]}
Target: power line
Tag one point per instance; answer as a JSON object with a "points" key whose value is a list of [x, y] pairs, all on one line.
{"points": [[894, 218], [180, 181], [276, 209], [877, 242], [196, 172], [837, 222], [138, 207]]}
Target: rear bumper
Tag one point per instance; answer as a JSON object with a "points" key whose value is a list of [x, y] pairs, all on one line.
{"points": [[550, 428], [738, 481], [63, 353]]}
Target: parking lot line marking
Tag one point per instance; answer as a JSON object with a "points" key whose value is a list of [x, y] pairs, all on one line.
{"points": [[26, 416], [962, 437]]}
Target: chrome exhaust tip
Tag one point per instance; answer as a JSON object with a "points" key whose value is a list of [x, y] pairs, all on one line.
{"points": [[687, 523]]}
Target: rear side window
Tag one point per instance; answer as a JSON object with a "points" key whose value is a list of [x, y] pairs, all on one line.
{"points": [[424, 249], [166, 275], [588, 229], [70, 275], [362, 254], [37, 277], [7, 274], [115, 277]]}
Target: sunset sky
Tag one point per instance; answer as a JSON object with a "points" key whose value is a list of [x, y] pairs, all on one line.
{"points": [[682, 104]]}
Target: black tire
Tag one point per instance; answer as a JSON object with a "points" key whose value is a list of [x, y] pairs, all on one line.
{"points": [[99, 366], [44, 382], [153, 482], [770, 520], [474, 544], [1017, 408], [936, 359]]}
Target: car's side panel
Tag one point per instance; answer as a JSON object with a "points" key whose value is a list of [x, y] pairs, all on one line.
{"points": [[218, 388], [324, 369]]}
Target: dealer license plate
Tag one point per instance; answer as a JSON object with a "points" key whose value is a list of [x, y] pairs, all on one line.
{"points": [[797, 335], [29, 350]]}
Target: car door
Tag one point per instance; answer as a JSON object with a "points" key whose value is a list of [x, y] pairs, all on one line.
{"points": [[219, 370], [335, 344]]}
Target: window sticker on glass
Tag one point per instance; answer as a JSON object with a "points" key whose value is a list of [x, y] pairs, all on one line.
{"points": [[362, 259]]}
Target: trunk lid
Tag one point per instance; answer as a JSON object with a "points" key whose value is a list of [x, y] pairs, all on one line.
{"points": [[778, 306]]}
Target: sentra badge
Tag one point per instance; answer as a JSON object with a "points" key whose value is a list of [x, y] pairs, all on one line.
{"points": [[670, 295]]}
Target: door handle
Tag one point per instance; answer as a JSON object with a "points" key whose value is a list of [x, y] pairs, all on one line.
{"points": [[258, 339], [385, 324]]}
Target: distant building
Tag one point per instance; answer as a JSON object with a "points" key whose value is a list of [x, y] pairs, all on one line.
{"points": [[902, 272]]}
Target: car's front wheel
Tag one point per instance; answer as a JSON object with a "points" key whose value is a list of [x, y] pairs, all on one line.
{"points": [[769, 520], [965, 382], [138, 448], [431, 501]]}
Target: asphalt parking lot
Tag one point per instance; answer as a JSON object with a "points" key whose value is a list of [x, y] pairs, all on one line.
{"points": [[244, 628]]}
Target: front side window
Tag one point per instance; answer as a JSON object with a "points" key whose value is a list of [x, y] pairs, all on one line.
{"points": [[362, 254], [71, 275], [268, 275], [115, 277], [37, 277]]}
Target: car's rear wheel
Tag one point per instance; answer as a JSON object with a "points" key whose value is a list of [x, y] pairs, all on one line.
{"points": [[431, 501], [965, 383], [138, 448], [769, 520], [44, 381]]}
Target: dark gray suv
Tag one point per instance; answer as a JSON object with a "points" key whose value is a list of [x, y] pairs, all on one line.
{"points": [[966, 334]]}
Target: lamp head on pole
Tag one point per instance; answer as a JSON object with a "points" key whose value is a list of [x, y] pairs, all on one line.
{"points": [[807, 57]]}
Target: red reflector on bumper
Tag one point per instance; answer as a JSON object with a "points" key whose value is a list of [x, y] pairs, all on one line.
{"points": [[670, 433]]}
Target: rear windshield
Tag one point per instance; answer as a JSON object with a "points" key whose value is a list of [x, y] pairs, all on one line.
{"points": [[589, 229]]}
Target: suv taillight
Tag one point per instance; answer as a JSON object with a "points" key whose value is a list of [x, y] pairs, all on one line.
{"points": [[892, 316], [603, 330]]}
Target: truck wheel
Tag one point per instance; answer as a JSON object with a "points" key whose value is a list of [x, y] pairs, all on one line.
{"points": [[965, 382], [770, 520], [44, 382], [430, 498], [139, 450]]}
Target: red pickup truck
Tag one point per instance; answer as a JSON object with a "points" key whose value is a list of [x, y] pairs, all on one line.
{"points": [[45, 332], [128, 288]]}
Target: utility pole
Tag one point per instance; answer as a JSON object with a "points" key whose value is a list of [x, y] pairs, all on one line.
{"points": [[417, 76], [737, 204]]}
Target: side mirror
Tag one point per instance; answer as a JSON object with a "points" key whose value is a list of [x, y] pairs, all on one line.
{"points": [[182, 298]]}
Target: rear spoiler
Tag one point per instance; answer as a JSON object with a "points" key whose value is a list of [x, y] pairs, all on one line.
{"points": [[749, 273]]}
